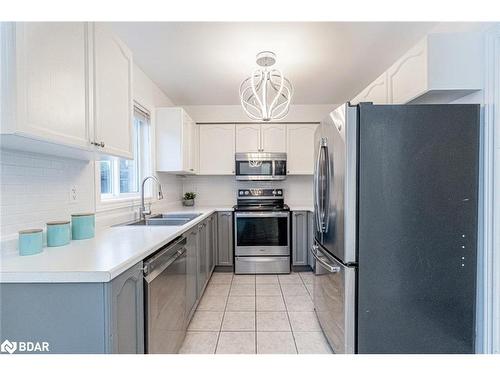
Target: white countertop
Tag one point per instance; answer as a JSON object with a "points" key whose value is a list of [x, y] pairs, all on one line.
{"points": [[301, 208], [100, 259]]}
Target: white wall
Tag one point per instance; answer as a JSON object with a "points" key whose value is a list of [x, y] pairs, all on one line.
{"points": [[234, 113], [36, 188]]}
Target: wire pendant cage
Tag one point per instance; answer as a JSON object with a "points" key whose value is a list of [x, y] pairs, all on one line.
{"points": [[267, 93]]}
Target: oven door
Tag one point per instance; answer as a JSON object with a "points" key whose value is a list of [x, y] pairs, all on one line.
{"points": [[262, 233]]}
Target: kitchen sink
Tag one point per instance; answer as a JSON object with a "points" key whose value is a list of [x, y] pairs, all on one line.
{"points": [[180, 216], [167, 219]]}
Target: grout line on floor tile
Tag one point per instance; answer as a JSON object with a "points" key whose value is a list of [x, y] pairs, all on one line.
{"points": [[288, 316], [255, 313], [223, 315]]}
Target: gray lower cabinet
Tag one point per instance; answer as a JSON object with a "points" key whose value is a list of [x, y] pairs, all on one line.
{"points": [[224, 252], [77, 317], [191, 271], [300, 238], [202, 257], [310, 239], [125, 298], [211, 243]]}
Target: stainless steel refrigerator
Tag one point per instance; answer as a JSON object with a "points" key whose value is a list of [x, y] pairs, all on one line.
{"points": [[395, 224]]}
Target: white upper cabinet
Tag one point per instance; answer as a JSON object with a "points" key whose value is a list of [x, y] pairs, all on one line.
{"points": [[300, 149], [260, 138], [377, 92], [113, 100], [175, 145], [45, 87], [66, 89], [216, 149], [248, 138], [273, 137], [408, 76], [439, 69]]}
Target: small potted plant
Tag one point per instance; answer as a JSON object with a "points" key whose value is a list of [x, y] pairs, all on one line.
{"points": [[189, 199]]}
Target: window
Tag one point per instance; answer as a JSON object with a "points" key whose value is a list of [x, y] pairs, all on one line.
{"points": [[120, 178]]}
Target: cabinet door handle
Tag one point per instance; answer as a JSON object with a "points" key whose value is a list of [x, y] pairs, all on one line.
{"points": [[99, 144]]}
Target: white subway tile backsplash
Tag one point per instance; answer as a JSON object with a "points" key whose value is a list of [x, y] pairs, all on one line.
{"points": [[221, 190], [35, 189]]}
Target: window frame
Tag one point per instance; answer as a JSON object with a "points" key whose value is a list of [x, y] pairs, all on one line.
{"points": [[144, 164]]}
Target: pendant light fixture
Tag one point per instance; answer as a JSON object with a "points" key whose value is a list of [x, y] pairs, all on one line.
{"points": [[267, 93]]}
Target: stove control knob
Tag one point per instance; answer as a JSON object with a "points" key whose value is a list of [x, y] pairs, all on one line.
{"points": [[241, 192], [279, 192], [274, 192], [246, 192]]}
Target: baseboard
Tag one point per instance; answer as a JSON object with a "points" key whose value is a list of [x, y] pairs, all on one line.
{"points": [[223, 269], [301, 268]]}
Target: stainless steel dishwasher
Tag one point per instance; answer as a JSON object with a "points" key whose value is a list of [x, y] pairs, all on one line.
{"points": [[165, 298]]}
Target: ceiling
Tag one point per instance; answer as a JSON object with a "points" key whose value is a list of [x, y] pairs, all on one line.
{"points": [[203, 63]]}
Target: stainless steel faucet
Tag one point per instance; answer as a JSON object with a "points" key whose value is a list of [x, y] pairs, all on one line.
{"points": [[145, 212]]}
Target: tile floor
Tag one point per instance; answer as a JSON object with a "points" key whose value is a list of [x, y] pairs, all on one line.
{"points": [[256, 314]]}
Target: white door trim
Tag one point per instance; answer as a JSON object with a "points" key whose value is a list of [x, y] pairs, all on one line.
{"points": [[488, 331]]}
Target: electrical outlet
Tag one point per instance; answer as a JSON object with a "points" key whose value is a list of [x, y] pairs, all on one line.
{"points": [[73, 194]]}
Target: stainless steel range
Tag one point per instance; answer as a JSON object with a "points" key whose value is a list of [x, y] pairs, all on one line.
{"points": [[261, 232]]}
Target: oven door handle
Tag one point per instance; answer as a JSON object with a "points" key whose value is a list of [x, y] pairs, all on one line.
{"points": [[255, 259], [262, 214]]}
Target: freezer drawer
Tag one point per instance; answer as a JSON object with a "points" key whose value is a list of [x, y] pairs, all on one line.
{"points": [[334, 301], [261, 265]]}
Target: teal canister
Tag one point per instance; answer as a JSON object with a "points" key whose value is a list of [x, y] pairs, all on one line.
{"points": [[82, 226], [30, 241], [58, 233]]}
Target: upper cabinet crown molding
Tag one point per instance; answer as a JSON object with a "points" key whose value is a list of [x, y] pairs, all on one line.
{"points": [[376, 92], [175, 146], [438, 69], [50, 100]]}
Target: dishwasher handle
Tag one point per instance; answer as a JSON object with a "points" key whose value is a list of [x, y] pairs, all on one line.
{"points": [[163, 259]]}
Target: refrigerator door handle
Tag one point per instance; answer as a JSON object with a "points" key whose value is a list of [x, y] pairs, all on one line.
{"points": [[326, 207], [329, 267], [322, 200], [316, 189]]}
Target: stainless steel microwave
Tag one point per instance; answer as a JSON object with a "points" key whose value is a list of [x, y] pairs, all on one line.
{"points": [[260, 166]]}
